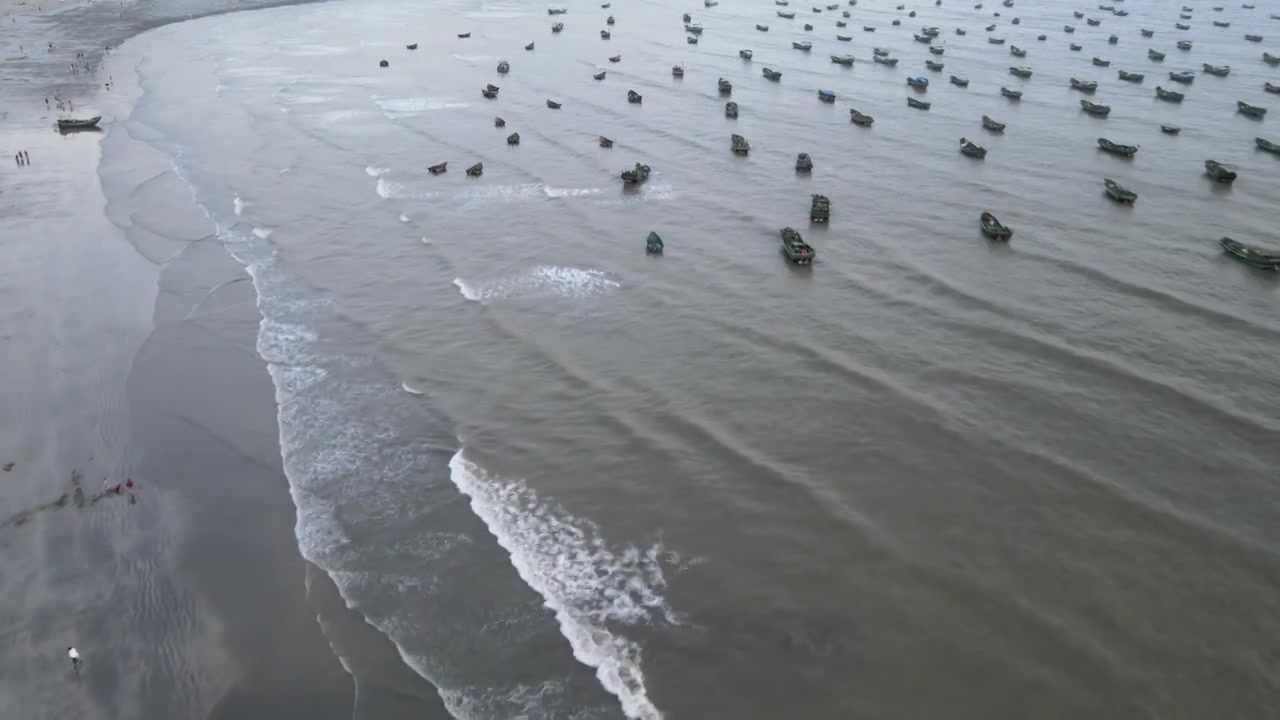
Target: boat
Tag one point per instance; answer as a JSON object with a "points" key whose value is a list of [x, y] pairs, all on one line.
{"points": [[557, 11], [1148, 33], [1184, 44], [529, 46], [605, 35], [1132, 77], [786, 15], [930, 31], [616, 58], [868, 28], [1076, 47], [911, 14], [771, 74], [885, 60], [1252, 255], [1117, 149], [1155, 55], [1170, 129], [834, 7], [995, 41], [1252, 111], [653, 244], [1270, 88], [1011, 94], [826, 96], [745, 54], [807, 26], [1021, 71], [79, 123], [553, 105], [1016, 51], [635, 175], [709, 3], [1068, 29], [687, 17], [804, 163], [922, 38], [384, 63], [841, 24], [1168, 95], [991, 27], [1118, 192], [499, 122], [600, 75], [1077, 14], [724, 86], [1217, 23], [731, 109], [557, 27], [411, 46], [1270, 59], [438, 168], [858, 118], [610, 20], [1084, 85], [503, 67], [739, 145], [489, 93], [937, 50], [1220, 172], [762, 28], [1181, 26], [1101, 63], [805, 46], [917, 104], [959, 81], [677, 71], [1219, 70], [513, 139], [992, 125], [846, 60], [817, 9], [1095, 109], [992, 228], [605, 142], [693, 28], [634, 97], [1113, 40], [918, 82], [819, 209], [961, 31], [844, 38], [1186, 77], [879, 52], [795, 248], [464, 35], [1094, 22], [971, 150], [1185, 17], [475, 170], [691, 39], [896, 23], [1253, 38], [1267, 145], [1121, 13], [931, 65], [1016, 21]]}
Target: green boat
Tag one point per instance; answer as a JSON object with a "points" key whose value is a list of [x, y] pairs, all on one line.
{"points": [[1118, 192], [937, 49], [731, 109], [1132, 77], [634, 97], [499, 122], [1020, 71], [513, 139], [636, 175], [992, 125], [795, 248], [653, 244], [992, 228], [1095, 109], [1099, 62], [1148, 33], [820, 209], [858, 118], [605, 142], [1252, 111], [739, 145], [771, 74], [1267, 145], [844, 38], [1016, 51], [677, 71], [475, 170], [1076, 48], [1170, 129], [1253, 38], [971, 150], [885, 60], [1183, 44], [846, 60], [1251, 255], [1011, 94], [1117, 149], [1155, 55], [503, 67], [917, 104], [1218, 70], [934, 66], [787, 15], [1084, 85], [1270, 59], [804, 163], [959, 81], [725, 86], [1168, 95], [1220, 172]]}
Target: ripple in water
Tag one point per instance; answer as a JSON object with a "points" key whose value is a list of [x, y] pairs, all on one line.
{"points": [[543, 281]]}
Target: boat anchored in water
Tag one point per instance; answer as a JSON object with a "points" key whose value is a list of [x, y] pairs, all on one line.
{"points": [[993, 228], [1251, 255], [795, 248], [1118, 192]]}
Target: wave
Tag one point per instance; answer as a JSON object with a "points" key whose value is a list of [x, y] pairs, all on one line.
{"points": [[543, 281], [238, 205], [410, 389], [375, 171], [588, 587], [262, 233], [394, 108]]}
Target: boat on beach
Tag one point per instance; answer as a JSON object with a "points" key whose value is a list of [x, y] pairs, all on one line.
{"points": [[992, 125], [79, 123], [438, 168]]}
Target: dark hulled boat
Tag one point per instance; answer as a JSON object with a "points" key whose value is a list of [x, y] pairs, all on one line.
{"points": [[1251, 255], [1117, 149], [1118, 192], [993, 228], [635, 175], [1221, 172], [1168, 95], [992, 125], [1095, 109], [795, 248]]}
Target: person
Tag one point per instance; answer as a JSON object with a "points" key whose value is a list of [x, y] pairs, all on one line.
{"points": [[129, 483], [75, 657]]}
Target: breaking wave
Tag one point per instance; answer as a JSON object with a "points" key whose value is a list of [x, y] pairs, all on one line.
{"points": [[543, 281]]}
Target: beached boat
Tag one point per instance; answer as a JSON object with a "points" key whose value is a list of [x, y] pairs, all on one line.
{"points": [[993, 228], [1093, 22], [1016, 51], [724, 86], [937, 50], [1217, 23], [557, 27], [868, 28], [691, 39], [653, 244], [795, 248], [513, 139], [1252, 111], [634, 97], [961, 31], [557, 11], [1267, 145], [499, 122], [844, 38], [1220, 172], [1181, 26], [1011, 94], [529, 46], [693, 28], [762, 28], [1068, 29], [605, 142], [677, 71], [1095, 109], [858, 118], [1168, 95], [972, 150], [1076, 48], [771, 74], [1183, 44], [411, 46], [1021, 71], [931, 65], [605, 34], [745, 54], [438, 168], [995, 41], [731, 109], [918, 82], [1219, 70], [846, 60], [610, 20], [600, 75], [739, 145], [804, 163], [959, 81], [917, 104], [1170, 129], [992, 125], [807, 26], [1099, 62], [786, 15], [805, 46], [553, 105], [465, 35], [1186, 77], [1268, 87], [635, 175], [1084, 85], [826, 96], [1253, 38], [615, 58], [1117, 149], [1251, 255], [1114, 39], [1148, 33], [79, 123], [383, 63], [1155, 55], [475, 170], [1132, 77], [922, 38], [885, 60], [1118, 192], [1270, 59]]}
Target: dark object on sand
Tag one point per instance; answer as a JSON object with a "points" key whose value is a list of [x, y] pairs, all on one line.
{"points": [[412, 46], [513, 139], [475, 170], [384, 63], [437, 169], [464, 35], [82, 123], [499, 122], [605, 142], [553, 104]]}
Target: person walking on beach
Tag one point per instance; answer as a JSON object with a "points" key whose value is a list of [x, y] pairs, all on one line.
{"points": [[75, 658]]}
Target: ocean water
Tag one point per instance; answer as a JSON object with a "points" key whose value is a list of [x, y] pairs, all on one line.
{"points": [[928, 476]]}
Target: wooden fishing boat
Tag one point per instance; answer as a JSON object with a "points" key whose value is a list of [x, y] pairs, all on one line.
{"points": [[846, 60], [605, 35], [724, 86], [1183, 44], [605, 142], [745, 54], [868, 28], [991, 27], [1184, 17], [1251, 255], [1270, 59], [1252, 111], [1170, 129], [858, 118], [1220, 172], [475, 170], [1186, 77], [739, 145], [993, 228], [1011, 94], [600, 75], [1076, 48], [691, 39], [969, 149], [931, 65], [1148, 33], [693, 28], [1084, 85], [961, 31], [922, 39], [79, 123], [930, 31], [1253, 38], [677, 71], [762, 28], [503, 67], [807, 26], [992, 125], [1119, 193], [553, 105], [1042, 37], [513, 139], [1132, 77], [959, 81], [1168, 95], [841, 24], [1181, 26], [1117, 149], [610, 20], [771, 74], [795, 248], [615, 58], [1095, 109], [1068, 29], [635, 175], [786, 15], [653, 244], [826, 96], [1270, 88], [1094, 22], [844, 38], [937, 50], [995, 41], [1218, 70], [1121, 13], [885, 60], [731, 110], [917, 104], [529, 46], [557, 27], [1267, 145], [411, 46], [1021, 71], [804, 163], [464, 35], [383, 63], [1217, 23], [557, 11], [499, 122], [1016, 51], [805, 46], [1113, 40], [1099, 62], [438, 168], [1155, 55], [634, 97], [1077, 14], [918, 82]]}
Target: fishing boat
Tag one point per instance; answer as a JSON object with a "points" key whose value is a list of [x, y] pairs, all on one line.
{"points": [[79, 123], [1219, 70], [804, 163], [762, 28], [879, 52], [709, 3], [739, 145], [1184, 44], [868, 28], [1168, 95], [786, 15], [677, 71], [1155, 55], [615, 58], [858, 118], [1267, 145], [1077, 14], [724, 86], [917, 104], [846, 60], [1113, 40], [1099, 62], [503, 67], [961, 31], [491, 94], [557, 27], [693, 28], [995, 41], [1118, 192], [817, 9], [1095, 109], [841, 24], [1132, 77], [610, 20], [634, 97], [411, 46], [1220, 172], [937, 50], [1270, 59], [922, 38], [553, 104], [475, 170], [1186, 77], [1252, 111], [1121, 13], [807, 26], [805, 46], [1094, 22], [384, 63], [959, 81], [795, 248], [1084, 85], [605, 142], [600, 75], [499, 122], [1268, 87], [691, 39], [826, 96], [931, 65], [1217, 23], [653, 244], [918, 82], [969, 149], [1076, 48], [438, 168], [1011, 94], [1253, 38], [844, 38], [1016, 21], [992, 125], [1148, 33], [819, 209], [991, 27], [687, 17], [1181, 26], [1170, 129], [1021, 71], [896, 23], [1068, 29], [1185, 16], [930, 31], [1251, 255], [745, 54], [605, 35], [557, 11], [885, 60], [771, 74], [1016, 51], [513, 139], [731, 110], [465, 35], [993, 228], [1117, 149], [635, 175], [529, 46]]}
